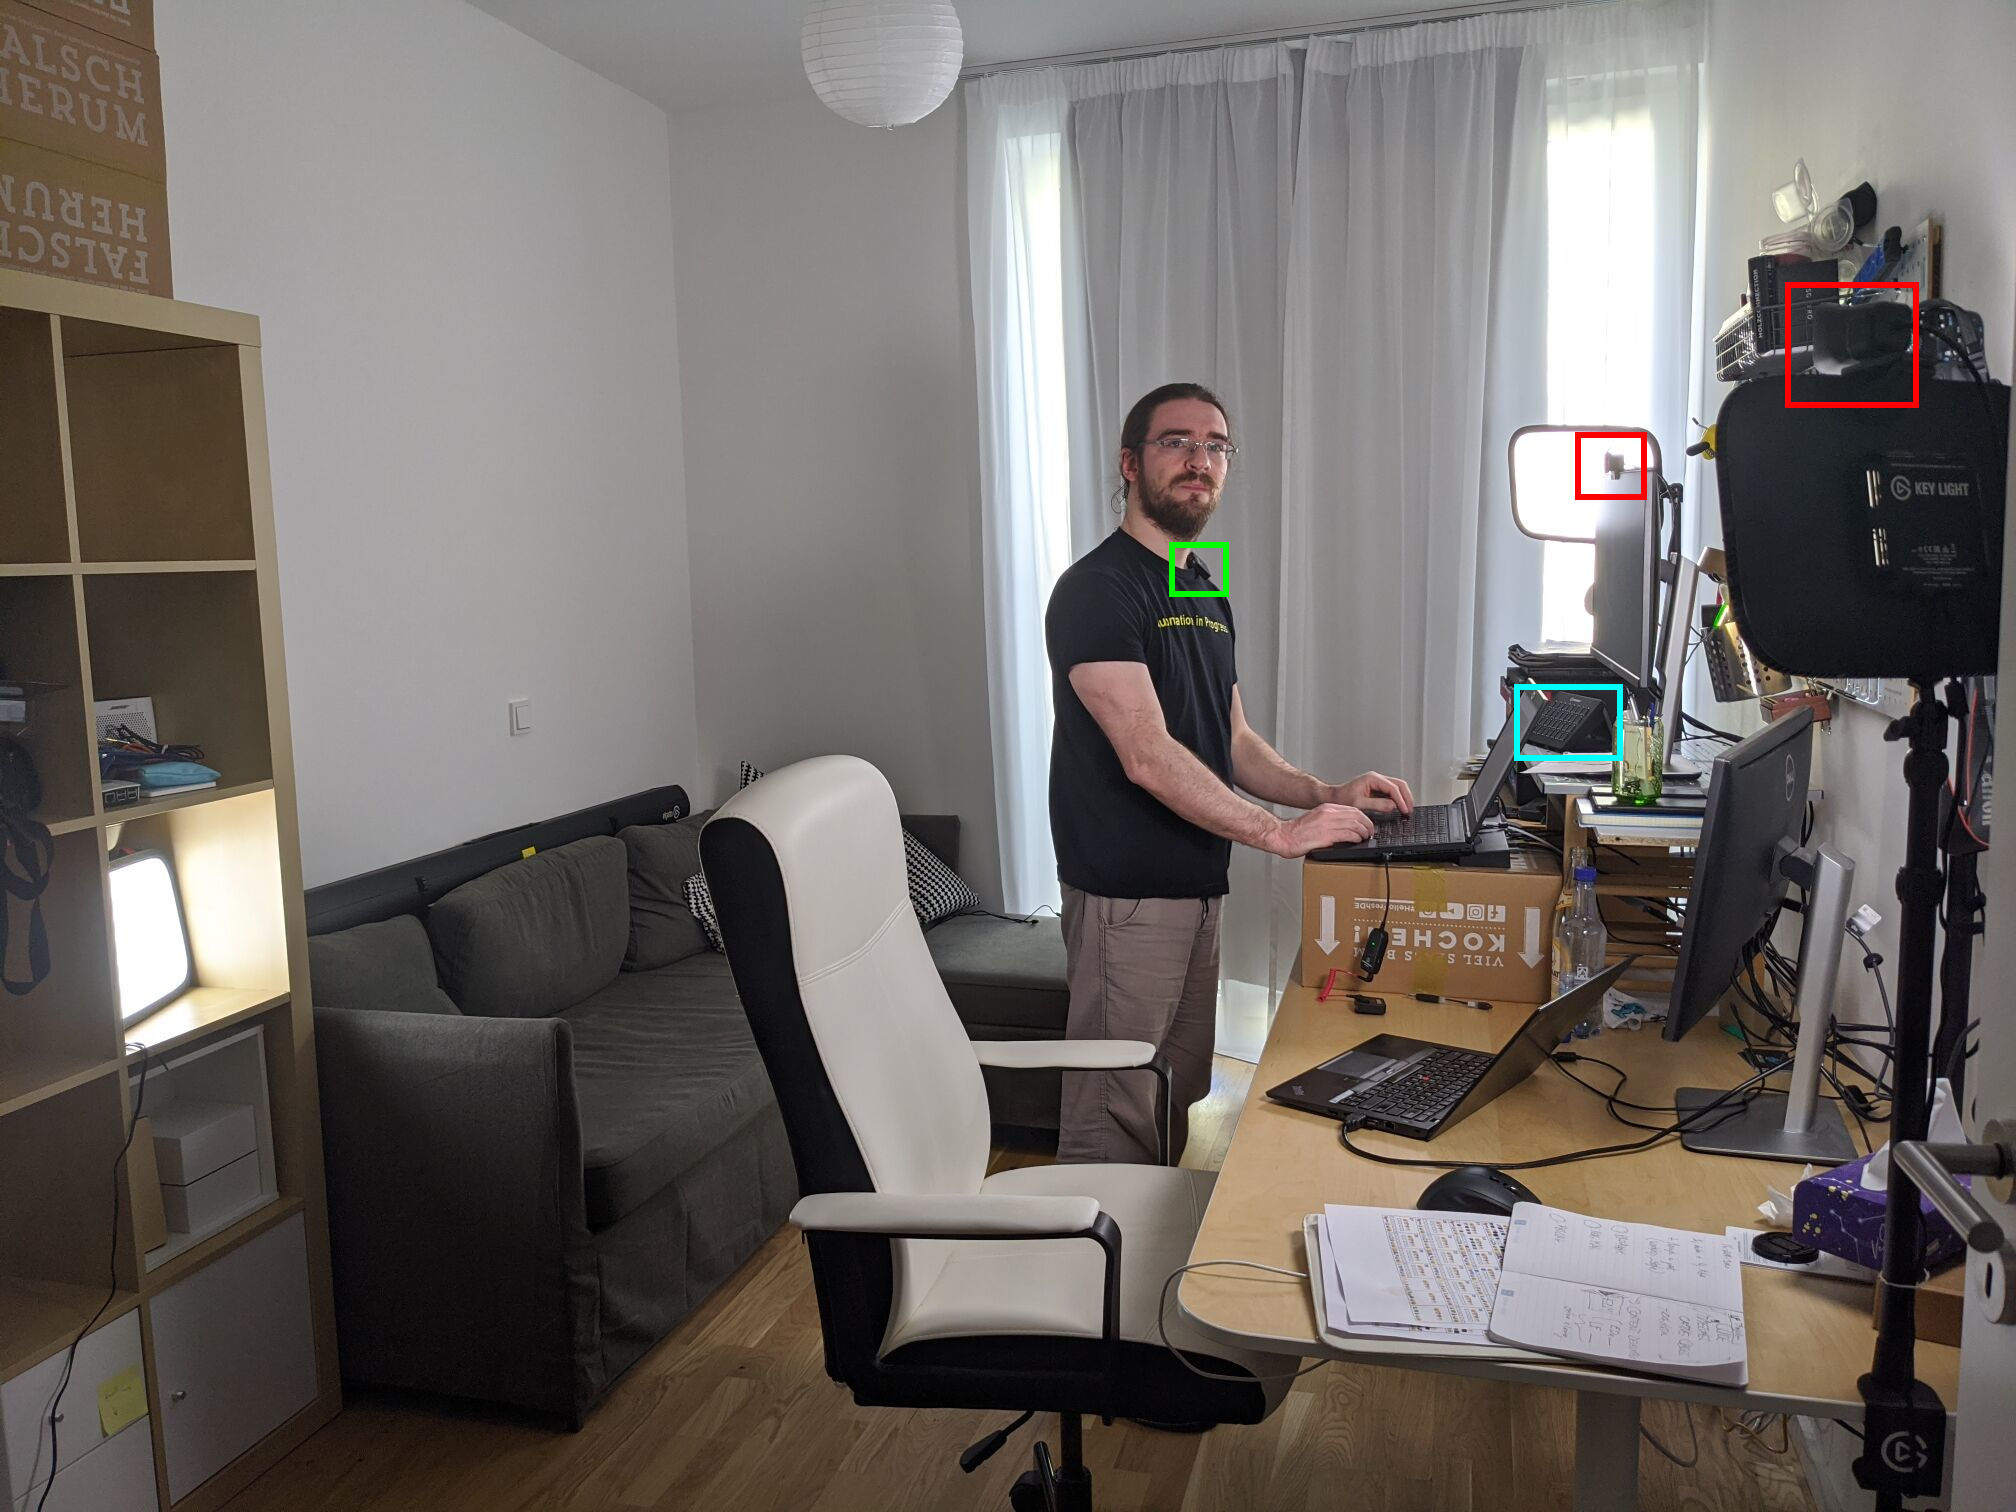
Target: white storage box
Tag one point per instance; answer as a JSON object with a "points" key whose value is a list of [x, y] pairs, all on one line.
{"points": [[211, 1201], [196, 1136]]}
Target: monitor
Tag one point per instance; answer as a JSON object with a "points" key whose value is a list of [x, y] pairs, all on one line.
{"points": [[1748, 854], [1626, 592]]}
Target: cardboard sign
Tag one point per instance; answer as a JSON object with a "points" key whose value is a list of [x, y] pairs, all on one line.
{"points": [[80, 220], [1471, 932], [79, 93], [131, 21]]}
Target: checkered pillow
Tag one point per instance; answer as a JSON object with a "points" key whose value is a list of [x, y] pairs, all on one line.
{"points": [[701, 902], [936, 891]]}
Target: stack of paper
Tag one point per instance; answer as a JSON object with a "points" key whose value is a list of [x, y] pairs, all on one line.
{"points": [[1657, 1300], [1395, 1273]]}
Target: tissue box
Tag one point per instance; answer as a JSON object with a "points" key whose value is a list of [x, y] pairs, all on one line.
{"points": [[1834, 1212]]}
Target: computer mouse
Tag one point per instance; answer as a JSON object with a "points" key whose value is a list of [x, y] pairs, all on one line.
{"points": [[1473, 1189]]}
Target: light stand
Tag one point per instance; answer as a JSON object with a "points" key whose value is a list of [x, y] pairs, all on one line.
{"points": [[1793, 1125], [1962, 925], [1904, 1422]]}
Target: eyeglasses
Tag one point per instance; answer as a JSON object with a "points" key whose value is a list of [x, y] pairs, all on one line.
{"points": [[1218, 452]]}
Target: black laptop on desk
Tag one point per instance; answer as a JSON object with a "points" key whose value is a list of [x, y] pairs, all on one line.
{"points": [[1435, 830], [1419, 1088]]}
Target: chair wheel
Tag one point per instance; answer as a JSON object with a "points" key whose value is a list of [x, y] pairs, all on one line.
{"points": [[1026, 1495]]}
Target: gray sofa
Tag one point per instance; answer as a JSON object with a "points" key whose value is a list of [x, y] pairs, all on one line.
{"points": [[548, 1135]]}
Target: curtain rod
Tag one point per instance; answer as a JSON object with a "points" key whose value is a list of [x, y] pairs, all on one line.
{"points": [[1290, 34]]}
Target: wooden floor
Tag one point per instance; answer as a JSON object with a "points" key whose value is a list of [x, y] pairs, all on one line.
{"points": [[734, 1411]]}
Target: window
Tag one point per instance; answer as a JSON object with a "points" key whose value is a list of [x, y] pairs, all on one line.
{"points": [[1600, 259]]}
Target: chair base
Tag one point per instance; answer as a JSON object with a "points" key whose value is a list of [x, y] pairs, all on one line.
{"points": [[1056, 1488]]}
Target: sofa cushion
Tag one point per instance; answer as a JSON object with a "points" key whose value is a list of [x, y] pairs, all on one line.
{"points": [[662, 927], [534, 937], [1001, 974], [387, 965], [665, 1073]]}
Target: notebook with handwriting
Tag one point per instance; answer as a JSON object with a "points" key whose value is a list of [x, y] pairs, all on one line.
{"points": [[1657, 1300]]}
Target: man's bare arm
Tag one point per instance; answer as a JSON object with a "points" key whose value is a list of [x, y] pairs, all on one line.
{"points": [[1121, 697], [1266, 773]]}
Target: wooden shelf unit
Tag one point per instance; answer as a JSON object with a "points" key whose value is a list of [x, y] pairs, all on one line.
{"points": [[136, 558]]}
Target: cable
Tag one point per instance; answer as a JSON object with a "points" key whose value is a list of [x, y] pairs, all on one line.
{"points": [[1162, 1322], [1692, 1433], [1707, 729], [112, 1265], [1967, 361], [1678, 1126], [1562, 1059]]}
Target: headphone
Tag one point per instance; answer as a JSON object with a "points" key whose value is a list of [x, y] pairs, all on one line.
{"points": [[26, 851]]}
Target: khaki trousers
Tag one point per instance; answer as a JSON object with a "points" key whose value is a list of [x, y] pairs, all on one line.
{"points": [[1139, 969]]}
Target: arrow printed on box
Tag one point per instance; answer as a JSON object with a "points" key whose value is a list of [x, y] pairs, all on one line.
{"points": [[1531, 953], [1326, 937]]}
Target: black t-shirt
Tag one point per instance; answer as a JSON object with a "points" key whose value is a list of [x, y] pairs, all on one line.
{"points": [[1115, 839]]}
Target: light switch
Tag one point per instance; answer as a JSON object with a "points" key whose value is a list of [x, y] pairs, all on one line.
{"points": [[521, 716]]}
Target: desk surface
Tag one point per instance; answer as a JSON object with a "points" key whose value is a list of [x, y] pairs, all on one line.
{"points": [[1810, 1338]]}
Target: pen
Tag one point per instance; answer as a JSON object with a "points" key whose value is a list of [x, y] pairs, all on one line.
{"points": [[1436, 997]]}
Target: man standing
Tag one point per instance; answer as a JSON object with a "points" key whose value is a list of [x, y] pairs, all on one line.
{"points": [[1149, 742]]}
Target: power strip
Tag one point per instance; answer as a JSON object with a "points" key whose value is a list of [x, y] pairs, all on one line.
{"points": [[1888, 696]]}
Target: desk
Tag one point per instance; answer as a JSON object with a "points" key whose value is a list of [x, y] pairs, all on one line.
{"points": [[1809, 1338]]}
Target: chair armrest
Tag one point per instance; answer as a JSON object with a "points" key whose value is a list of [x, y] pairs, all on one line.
{"points": [[452, 1147], [1002, 1215], [1087, 1055], [1064, 1054]]}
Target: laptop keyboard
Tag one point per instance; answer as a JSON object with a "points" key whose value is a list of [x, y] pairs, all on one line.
{"points": [[1434, 825], [1426, 1090]]}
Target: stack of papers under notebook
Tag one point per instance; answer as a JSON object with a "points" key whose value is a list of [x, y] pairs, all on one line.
{"points": [[1632, 1295]]}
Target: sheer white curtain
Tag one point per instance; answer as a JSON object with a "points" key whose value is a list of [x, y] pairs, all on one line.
{"points": [[1014, 169], [1181, 177], [1354, 244]]}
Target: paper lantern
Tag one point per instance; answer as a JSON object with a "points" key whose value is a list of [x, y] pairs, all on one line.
{"points": [[882, 62]]}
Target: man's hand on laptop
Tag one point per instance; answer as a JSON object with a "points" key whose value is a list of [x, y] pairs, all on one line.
{"points": [[1326, 824], [1375, 793]]}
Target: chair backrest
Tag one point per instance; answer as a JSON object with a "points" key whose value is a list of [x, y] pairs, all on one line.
{"points": [[873, 1070]]}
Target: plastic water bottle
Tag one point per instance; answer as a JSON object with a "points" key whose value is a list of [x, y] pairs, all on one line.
{"points": [[1581, 944]]}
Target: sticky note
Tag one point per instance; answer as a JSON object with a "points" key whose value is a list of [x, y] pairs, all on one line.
{"points": [[527, 852], [122, 1399]]}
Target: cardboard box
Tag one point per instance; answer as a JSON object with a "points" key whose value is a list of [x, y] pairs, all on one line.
{"points": [[143, 1181], [1470, 931], [131, 21], [79, 93], [64, 216]]}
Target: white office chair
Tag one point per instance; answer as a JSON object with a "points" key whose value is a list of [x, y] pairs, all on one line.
{"points": [[940, 1286]]}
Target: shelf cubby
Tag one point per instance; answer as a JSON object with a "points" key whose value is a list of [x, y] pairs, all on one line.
{"points": [[226, 859], [67, 1203], [65, 1029], [34, 523], [157, 443], [190, 641], [38, 647]]}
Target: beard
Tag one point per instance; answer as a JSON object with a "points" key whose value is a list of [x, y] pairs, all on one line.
{"points": [[1182, 515]]}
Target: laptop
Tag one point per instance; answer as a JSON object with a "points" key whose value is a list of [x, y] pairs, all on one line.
{"points": [[1435, 829], [1419, 1088]]}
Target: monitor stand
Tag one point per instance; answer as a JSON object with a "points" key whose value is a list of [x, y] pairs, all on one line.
{"points": [[1794, 1125]]}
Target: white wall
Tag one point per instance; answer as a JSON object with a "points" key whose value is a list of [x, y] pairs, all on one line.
{"points": [[831, 453], [460, 247], [1926, 113]]}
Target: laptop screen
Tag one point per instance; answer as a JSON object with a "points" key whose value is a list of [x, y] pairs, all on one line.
{"points": [[1492, 771]]}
